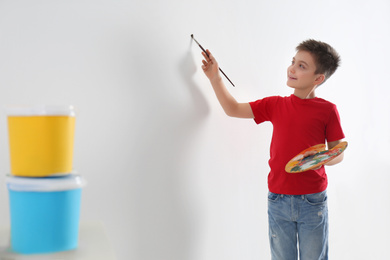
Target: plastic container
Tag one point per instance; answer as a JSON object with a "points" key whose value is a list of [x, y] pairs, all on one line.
{"points": [[44, 213], [41, 140]]}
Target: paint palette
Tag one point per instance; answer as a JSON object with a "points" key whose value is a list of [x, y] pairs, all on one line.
{"points": [[301, 164]]}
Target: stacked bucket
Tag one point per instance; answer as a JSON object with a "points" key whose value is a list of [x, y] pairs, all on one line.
{"points": [[44, 193]]}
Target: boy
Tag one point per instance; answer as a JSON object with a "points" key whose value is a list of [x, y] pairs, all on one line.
{"points": [[297, 203]]}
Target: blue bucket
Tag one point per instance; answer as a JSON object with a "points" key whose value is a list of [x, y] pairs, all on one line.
{"points": [[45, 213]]}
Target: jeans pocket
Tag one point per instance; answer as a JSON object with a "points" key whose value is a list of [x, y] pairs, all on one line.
{"points": [[273, 197], [317, 198]]}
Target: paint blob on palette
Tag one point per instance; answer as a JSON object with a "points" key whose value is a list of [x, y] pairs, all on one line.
{"points": [[301, 164]]}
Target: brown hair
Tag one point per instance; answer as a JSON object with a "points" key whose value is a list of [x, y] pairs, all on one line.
{"points": [[325, 56]]}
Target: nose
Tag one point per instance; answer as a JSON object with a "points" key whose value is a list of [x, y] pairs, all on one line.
{"points": [[291, 69]]}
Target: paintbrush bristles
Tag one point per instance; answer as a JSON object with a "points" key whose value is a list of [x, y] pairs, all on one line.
{"points": [[200, 46]]}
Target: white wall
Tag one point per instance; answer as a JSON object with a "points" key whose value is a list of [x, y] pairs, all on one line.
{"points": [[170, 175]]}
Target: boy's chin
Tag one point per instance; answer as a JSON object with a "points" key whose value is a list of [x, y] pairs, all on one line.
{"points": [[290, 85]]}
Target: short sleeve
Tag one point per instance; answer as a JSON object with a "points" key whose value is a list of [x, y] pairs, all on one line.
{"points": [[334, 131], [263, 109]]}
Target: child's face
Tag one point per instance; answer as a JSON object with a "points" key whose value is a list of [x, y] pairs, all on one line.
{"points": [[301, 73]]}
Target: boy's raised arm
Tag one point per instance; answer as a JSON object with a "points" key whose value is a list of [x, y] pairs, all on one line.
{"points": [[228, 102]]}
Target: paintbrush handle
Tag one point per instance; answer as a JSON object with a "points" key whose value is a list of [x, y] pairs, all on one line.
{"points": [[218, 67], [226, 76], [203, 49]]}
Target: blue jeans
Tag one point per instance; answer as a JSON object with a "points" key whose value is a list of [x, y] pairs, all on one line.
{"points": [[298, 221]]}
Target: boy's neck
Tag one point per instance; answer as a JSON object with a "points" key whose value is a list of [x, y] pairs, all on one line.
{"points": [[305, 94]]}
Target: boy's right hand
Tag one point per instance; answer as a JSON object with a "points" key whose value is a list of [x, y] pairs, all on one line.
{"points": [[210, 66], [227, 101]]}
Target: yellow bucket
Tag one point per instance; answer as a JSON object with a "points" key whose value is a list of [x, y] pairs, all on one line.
{"points": [[41, 140]]}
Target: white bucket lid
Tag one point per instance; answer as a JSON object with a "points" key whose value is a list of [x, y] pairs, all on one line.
{"points": [[40, 110], [68, 182]]}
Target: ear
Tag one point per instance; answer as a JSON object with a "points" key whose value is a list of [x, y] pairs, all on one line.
{"points": [[320, 78]]}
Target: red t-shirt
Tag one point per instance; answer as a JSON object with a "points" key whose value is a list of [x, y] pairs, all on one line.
{"points": [[297, 124]]}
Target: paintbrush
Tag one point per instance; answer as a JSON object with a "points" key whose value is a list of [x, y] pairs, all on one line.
{"points": [[200, 46]]}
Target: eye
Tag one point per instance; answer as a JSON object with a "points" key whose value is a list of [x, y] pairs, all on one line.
{"points": [[302, 66]]}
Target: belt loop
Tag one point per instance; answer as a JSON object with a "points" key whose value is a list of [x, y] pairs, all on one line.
{"points": [[303, 197]]}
